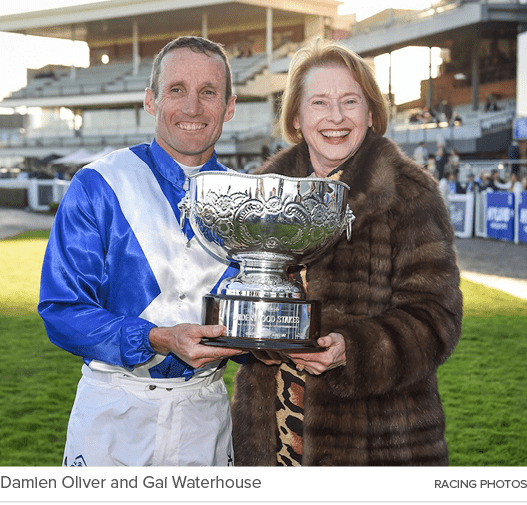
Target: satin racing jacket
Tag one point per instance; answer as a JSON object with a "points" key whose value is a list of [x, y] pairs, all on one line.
{"points": [[118, 263]]}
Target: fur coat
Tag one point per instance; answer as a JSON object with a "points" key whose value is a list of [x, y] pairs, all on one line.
{"points": [[393, 293]]}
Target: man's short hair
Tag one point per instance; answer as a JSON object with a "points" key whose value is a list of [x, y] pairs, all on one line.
{"points": [[198, 45]]}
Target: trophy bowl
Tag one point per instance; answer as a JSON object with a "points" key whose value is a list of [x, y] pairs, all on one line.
{"points": [[265, 223]]}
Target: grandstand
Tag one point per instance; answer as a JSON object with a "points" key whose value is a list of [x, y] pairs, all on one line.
{"points": [[480, 46], [106, 99]]}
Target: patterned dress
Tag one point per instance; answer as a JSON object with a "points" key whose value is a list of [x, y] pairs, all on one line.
{"points": [[289, 414]]}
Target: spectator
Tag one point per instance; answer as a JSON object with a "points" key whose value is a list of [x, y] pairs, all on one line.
{"points": [[524, 184], [491, 104], [416, 117], [483, 181], [456, 119], [444, 186], [473, 185], [431, 165], [421, 154], [453, 162], [441, 161], [452, 183], [496, 183], [516, 185], [445, 110], [514, 155], [429, 115]]}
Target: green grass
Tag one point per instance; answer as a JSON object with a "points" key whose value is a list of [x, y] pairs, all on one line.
{"points": [[482, 385]]}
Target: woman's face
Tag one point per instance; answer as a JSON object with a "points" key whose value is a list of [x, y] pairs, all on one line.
{"points": [[333, 117]]}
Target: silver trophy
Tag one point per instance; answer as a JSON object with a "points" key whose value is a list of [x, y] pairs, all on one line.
{"points": [[266, 223]]}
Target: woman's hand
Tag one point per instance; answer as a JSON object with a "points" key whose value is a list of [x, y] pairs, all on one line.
{"points": [[319, 362]]}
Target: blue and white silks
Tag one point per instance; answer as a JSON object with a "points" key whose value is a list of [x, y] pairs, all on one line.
{"points": [[118, 263]]}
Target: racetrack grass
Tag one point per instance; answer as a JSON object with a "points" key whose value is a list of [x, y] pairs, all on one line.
{"points": [[483, 385]]}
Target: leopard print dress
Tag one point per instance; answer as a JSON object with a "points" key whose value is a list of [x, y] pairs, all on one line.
{"points": [[289, 414]]}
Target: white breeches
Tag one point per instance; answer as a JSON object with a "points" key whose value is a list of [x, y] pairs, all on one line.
{"points": [[119, 420]]}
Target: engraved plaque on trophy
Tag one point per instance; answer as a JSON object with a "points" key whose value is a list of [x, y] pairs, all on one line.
{"points": [[266, 223]]}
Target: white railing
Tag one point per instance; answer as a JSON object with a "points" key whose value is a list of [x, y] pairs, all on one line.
{"points": [[471, 128], [41, 193], [470, 213]]}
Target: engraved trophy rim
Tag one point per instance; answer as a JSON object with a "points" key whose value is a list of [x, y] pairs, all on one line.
{"points": [[243, 175]]}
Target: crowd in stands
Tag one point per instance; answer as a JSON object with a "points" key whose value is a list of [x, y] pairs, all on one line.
{"points": [[444, 166], [443, 114], [494, 182], [491, 103], [449, 183], [439, 162]]}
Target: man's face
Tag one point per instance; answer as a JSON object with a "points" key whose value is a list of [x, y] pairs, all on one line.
{"points": [[190, 108]]}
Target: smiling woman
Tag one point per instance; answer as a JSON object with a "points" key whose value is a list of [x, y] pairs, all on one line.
{"points": [[390, 297], [333, 117]]}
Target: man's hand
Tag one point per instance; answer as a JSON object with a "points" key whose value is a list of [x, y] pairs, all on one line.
{"points": [[184, 341], [318, 362]]}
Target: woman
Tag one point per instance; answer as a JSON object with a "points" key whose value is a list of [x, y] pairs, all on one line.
{"points": [[391, 304]]}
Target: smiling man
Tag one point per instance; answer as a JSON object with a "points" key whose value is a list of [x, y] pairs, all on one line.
{"points": [[122, 283], [190, 100]]}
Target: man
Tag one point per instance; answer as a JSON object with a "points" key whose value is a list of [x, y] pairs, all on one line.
{"points": [[453, 186], [513, 153], [122, 283], [472, 184], [441, 161]]}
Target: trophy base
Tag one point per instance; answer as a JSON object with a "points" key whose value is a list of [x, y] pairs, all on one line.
{"points": [[272, 324], [260, 344]]}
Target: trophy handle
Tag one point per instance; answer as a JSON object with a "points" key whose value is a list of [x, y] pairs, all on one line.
{"points": [[349, 217], [184, 209]]}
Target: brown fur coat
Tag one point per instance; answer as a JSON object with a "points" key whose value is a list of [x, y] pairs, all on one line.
{"points": [[393, 293]]}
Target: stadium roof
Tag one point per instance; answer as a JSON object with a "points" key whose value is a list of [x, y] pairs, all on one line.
{"points": [[102, 22]]}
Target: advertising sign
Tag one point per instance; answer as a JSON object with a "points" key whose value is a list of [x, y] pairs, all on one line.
{"points": [[520, 128], [461, 208], [500, 215], [522, 217]]}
